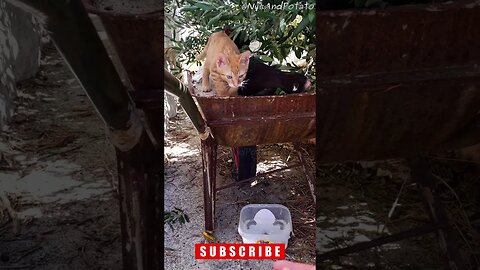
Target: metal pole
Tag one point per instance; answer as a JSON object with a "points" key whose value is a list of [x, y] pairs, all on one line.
{"points": [[174, 86], [76, 38]]}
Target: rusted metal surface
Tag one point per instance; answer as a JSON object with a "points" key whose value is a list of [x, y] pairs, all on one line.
{"points": [[401, 122], [244, 121], [86, 57], [138, 40], [141, 195], [396, 39], [397, 82], [209, 160]]}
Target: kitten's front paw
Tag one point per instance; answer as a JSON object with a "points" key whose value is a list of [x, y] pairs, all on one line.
{"points": [[206, 89]]}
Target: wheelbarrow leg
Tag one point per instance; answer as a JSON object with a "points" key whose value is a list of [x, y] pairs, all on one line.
{"points": [[306, 170], [140, 185], [420, 170], [209, 159]]}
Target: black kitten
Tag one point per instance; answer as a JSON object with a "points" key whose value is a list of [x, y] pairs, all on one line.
{"points": [[262, 80]]}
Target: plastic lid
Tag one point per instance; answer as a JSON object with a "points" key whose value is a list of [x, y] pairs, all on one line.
{"points": [[264, 216]]}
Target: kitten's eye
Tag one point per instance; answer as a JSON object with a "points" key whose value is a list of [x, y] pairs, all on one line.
{"points": [[229, 77], [241, 76]]}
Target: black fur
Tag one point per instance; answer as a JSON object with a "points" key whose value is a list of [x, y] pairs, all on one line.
{"points": [[263, 80]]}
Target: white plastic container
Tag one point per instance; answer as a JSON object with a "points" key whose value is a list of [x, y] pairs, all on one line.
{"points": [[260, 223]]}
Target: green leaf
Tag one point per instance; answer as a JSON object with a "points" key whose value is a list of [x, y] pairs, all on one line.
{"points": [[311, 17], [279, 92], [236, 34], [298, 54], [265, 58], [186, 9], [370, 3], [284, 52], [282, 24], [359, 3], [265, 15], [205, 6], [214, 20], [285, 68], [301, 26]]}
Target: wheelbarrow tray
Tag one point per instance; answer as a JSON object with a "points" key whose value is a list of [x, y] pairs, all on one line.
{"points": [[397, 82], [245, 121]]}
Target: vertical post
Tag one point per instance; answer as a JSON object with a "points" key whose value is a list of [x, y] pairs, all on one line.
{"points": [[209, 159], [140, 183], [420, 170]]}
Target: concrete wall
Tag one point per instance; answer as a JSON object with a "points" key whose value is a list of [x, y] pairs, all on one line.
{"points": [[8, 54], [20, 39], [28, 33]]}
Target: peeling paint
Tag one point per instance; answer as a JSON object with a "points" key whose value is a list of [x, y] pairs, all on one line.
{"points": [[346, 23], [472, 5]]}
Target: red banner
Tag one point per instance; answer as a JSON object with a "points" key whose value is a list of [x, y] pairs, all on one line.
{"points": [[239, 251]]}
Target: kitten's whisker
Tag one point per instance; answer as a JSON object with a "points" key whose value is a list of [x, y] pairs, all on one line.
{"points": [[243, 83]]}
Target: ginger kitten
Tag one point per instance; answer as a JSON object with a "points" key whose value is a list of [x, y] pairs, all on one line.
{"points": [[226, 65]]}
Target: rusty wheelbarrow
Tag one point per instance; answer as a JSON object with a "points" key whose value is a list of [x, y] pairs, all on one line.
{"points": [[253, 120], [399, 82]]}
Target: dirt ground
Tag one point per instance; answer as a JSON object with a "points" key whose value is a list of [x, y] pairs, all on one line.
{"points": [[57, 170], [184, 190], [354, 201]]}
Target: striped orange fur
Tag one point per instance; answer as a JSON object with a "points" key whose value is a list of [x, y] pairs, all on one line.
{"points": [[224, 63]]}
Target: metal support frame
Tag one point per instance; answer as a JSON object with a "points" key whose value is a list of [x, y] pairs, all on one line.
{"points": [[420, 172], [209, 159]]}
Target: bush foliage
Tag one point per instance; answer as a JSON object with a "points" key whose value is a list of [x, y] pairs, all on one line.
{"points": [[282, 27]]}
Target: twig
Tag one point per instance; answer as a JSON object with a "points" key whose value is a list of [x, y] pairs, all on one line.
{"points": [[5, 202], [28, 252], [257, 176], [394, 205], [465, 240], [61, 152], [113, 179], [62, 142], [464, 214], [454, 159]]}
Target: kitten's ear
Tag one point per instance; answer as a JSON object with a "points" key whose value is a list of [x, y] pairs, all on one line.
{"points": [[221, 60], [245, 58]]}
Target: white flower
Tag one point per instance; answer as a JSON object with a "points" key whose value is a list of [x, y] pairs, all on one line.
{"points": [[255, 45]]}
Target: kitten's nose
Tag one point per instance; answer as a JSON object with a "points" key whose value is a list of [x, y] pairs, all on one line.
{"points": [[235, 82], [307, 85]]}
